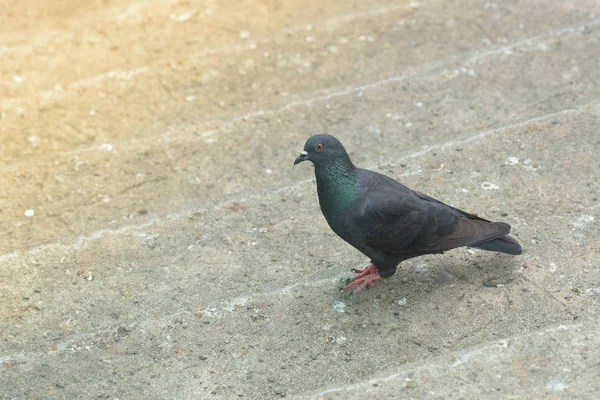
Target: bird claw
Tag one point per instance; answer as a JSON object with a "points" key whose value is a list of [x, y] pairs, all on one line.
{"points": [[364, 277], [361, 273]]}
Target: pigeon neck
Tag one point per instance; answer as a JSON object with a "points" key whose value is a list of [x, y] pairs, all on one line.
{"points": [[336, 184]]}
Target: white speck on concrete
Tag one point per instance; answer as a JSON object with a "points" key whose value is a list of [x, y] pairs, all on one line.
{"points": [[106, 147], [106, 199], [34, 140], [92, 112], [462, 190], [191, 98], [366, 38], [583, 221], [309, 38], [489, 186], [412, 170], [512, 160], [419, 104], [527, 165], [402, 302], [268, 171], [594, 290], [309, 27], [552, 267], [147, 236], [239, 301], [543, 47], [556, 386], [339, 340], [29, 213], [420, 267], [244, 35], [339, 306], [18, 79], [181, 17], [462, 71], [579, 227], [374, 128], [408, 125]]}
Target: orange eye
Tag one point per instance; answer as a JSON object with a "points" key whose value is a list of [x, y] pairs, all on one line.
{"points": [[319, 147]]}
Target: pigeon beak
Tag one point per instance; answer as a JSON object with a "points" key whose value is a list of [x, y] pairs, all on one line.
{"points": [[302, 157]]}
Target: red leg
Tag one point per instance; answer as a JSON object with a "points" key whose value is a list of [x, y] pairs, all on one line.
{"points": [[364, 277]]}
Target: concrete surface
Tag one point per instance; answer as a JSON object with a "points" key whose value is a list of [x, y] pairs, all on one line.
{"points": [[555, 362], [156, 241]]}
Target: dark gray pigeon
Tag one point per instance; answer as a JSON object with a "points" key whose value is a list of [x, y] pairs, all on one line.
{"points": [[388, 222]]}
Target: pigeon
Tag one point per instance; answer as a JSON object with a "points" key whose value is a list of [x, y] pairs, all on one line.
{"points": [[387, 221]]}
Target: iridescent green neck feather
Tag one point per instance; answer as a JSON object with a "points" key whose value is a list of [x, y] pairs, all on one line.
{"points": [[337, 184]]}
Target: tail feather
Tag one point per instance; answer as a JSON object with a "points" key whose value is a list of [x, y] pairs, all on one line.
{"points": [[504, 244]]}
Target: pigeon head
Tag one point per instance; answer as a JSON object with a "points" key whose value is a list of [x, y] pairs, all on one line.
{"points": [[323, 149]]}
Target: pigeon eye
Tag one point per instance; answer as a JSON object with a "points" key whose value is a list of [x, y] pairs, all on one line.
{"points": [[319, 147]]}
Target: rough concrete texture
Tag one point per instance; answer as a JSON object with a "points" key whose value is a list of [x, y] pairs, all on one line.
{"points": [[555, 362], [157, 242]]}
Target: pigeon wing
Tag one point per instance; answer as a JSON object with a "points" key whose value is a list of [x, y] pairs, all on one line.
{"points": [[406, 223]]}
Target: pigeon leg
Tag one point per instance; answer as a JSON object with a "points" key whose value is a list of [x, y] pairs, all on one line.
{"points": [[365, 278], [361, 273]]}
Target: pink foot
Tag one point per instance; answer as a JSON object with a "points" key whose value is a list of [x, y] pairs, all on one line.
{"points": [[364, 277]]}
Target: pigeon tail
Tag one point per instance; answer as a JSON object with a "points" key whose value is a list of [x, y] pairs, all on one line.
{"points": [[504, 244]]}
